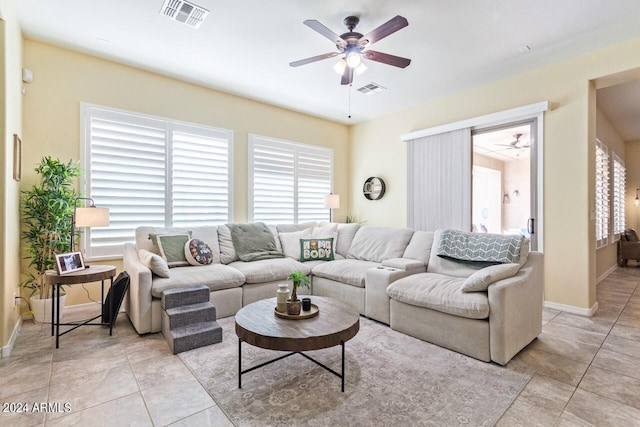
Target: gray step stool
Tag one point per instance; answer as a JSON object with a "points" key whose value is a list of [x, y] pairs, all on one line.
{"points": [[189, 319]]}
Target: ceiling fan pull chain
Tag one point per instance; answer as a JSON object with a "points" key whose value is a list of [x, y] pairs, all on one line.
{"points": [[350, 86]]}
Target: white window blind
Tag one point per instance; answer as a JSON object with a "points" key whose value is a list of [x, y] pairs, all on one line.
{"points": [[287, 181], [602, 194], [151, 171], [619, 189]]}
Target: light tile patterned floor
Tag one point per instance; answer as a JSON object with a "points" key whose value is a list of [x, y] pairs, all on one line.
{"points": [[588, 372]]}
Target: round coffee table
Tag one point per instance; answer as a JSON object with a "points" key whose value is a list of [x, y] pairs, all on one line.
{"points": [[257, 324]]}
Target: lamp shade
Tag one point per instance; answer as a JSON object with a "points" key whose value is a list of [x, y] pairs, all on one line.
{"points": [[332, 201], [92, 217]]}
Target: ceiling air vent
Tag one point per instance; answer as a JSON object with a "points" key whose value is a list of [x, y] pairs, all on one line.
{"points": [[185, 12], [371, 88]]}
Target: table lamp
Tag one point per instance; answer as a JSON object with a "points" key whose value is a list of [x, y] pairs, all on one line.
{"points": [[90, 216], [331, 201]]}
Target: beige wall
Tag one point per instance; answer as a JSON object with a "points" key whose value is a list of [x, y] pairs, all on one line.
{"points": [[63, 79], [10, 123], [517, 176], [606, 257], [569, 135]]}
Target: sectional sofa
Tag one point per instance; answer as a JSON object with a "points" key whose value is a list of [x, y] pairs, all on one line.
{"points": [[392, 275]]}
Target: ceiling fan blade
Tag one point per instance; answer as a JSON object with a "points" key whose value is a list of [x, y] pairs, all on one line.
{"points": [[389, 27], [347, 76], [318, 27], [385, 58], [313, 59]]}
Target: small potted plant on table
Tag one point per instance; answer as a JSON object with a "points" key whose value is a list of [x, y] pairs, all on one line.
{"points": [[293, 303]]}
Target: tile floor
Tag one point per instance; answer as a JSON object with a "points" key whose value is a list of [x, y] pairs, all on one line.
{"points": [[587, 373]]}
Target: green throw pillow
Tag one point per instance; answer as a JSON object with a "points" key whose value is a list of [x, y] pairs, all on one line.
{"points": [[316, 249], [171, 248]]}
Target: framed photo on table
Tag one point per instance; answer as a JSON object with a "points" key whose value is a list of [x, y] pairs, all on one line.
{"points": [[70, 262]]}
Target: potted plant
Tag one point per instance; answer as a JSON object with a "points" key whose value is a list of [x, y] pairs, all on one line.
{"points": [[47, 211], [293, 303]]}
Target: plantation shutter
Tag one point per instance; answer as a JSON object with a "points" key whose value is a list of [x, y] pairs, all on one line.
{"points": [[619, 189], [151, 171], [602, 194], [287, 181], [200, 176]]}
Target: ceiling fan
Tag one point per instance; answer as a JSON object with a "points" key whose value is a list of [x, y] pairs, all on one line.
{"points": [[516, 144], [355, 46]]}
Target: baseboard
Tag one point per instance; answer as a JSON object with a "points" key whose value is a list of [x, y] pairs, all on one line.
{"points": [[605, 274], [6, 350], [588, 312]]}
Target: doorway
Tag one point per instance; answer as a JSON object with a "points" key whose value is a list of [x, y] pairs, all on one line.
{"points": [[504, 184]]}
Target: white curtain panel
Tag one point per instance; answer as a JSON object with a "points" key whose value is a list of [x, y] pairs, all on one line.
{"points": [[439, 181]]}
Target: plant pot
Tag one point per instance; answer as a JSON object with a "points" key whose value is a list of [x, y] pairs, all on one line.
{"points": [[42, 308], [293, 307]]}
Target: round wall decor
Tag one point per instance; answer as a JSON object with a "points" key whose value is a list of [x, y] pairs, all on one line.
{"points": [[373, 188]]}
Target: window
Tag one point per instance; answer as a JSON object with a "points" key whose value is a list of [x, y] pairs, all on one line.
{"points": [[287, 181], [151, 171], [602, 194], [619, 188]]}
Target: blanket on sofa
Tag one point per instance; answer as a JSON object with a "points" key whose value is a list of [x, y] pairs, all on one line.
{"points": [[480, 247], [254, 242]]}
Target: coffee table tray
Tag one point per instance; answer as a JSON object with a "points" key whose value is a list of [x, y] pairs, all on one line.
{"points": [[303, 314]]}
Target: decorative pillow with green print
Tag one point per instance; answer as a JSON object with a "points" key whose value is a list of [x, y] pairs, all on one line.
{"points": [[316, 249], [171, 247]]}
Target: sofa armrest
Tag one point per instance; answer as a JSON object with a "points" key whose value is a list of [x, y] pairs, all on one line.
{"points": [[139, 301], [515, 304], [404, 264], [376, 281]]}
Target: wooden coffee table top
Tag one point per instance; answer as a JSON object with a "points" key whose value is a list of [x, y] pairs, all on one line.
{"points": [[257, 325]]}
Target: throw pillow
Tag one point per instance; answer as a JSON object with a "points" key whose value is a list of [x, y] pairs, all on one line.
{"points": [[172, 248], [481, 279], [153, 262], [198, 252], [291, 242], [316, 249]]}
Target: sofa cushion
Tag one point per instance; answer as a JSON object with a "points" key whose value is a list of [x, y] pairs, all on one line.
{"points": [[346, 233], [349, 271], [441, 265], [213, 276], [154, 262], [227, 250], [198, 252], [419, 248], [440, 292], [207, 233], [481, 279], [268, 270], [291, 242], [379, 243]]}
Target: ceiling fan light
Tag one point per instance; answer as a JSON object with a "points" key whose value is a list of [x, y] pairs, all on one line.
{"points": [[361, 69], [340, 66], [353, 59]]}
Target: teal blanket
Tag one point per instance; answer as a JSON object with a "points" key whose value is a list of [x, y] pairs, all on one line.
{"points": [[254, 242]]}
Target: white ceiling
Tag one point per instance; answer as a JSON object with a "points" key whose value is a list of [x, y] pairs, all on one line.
{"points": [[621, 105], [497, 143], [244, 47]]}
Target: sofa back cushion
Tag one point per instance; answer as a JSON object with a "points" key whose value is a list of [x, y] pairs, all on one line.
{"points": [[207, 233], [379, 243], [346, 233], [290, 228], [419, 248]]}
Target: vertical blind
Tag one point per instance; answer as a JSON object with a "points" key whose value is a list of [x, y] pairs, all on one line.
{"points": [[602, 194], [287, 181], [619, 189], [439, 181], [151, 171]]}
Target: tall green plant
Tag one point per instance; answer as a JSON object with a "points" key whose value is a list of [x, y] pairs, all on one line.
{"points": [[46, 214]]}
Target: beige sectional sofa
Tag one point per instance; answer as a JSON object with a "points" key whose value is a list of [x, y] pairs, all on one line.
{"points": [[391, 275]]}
